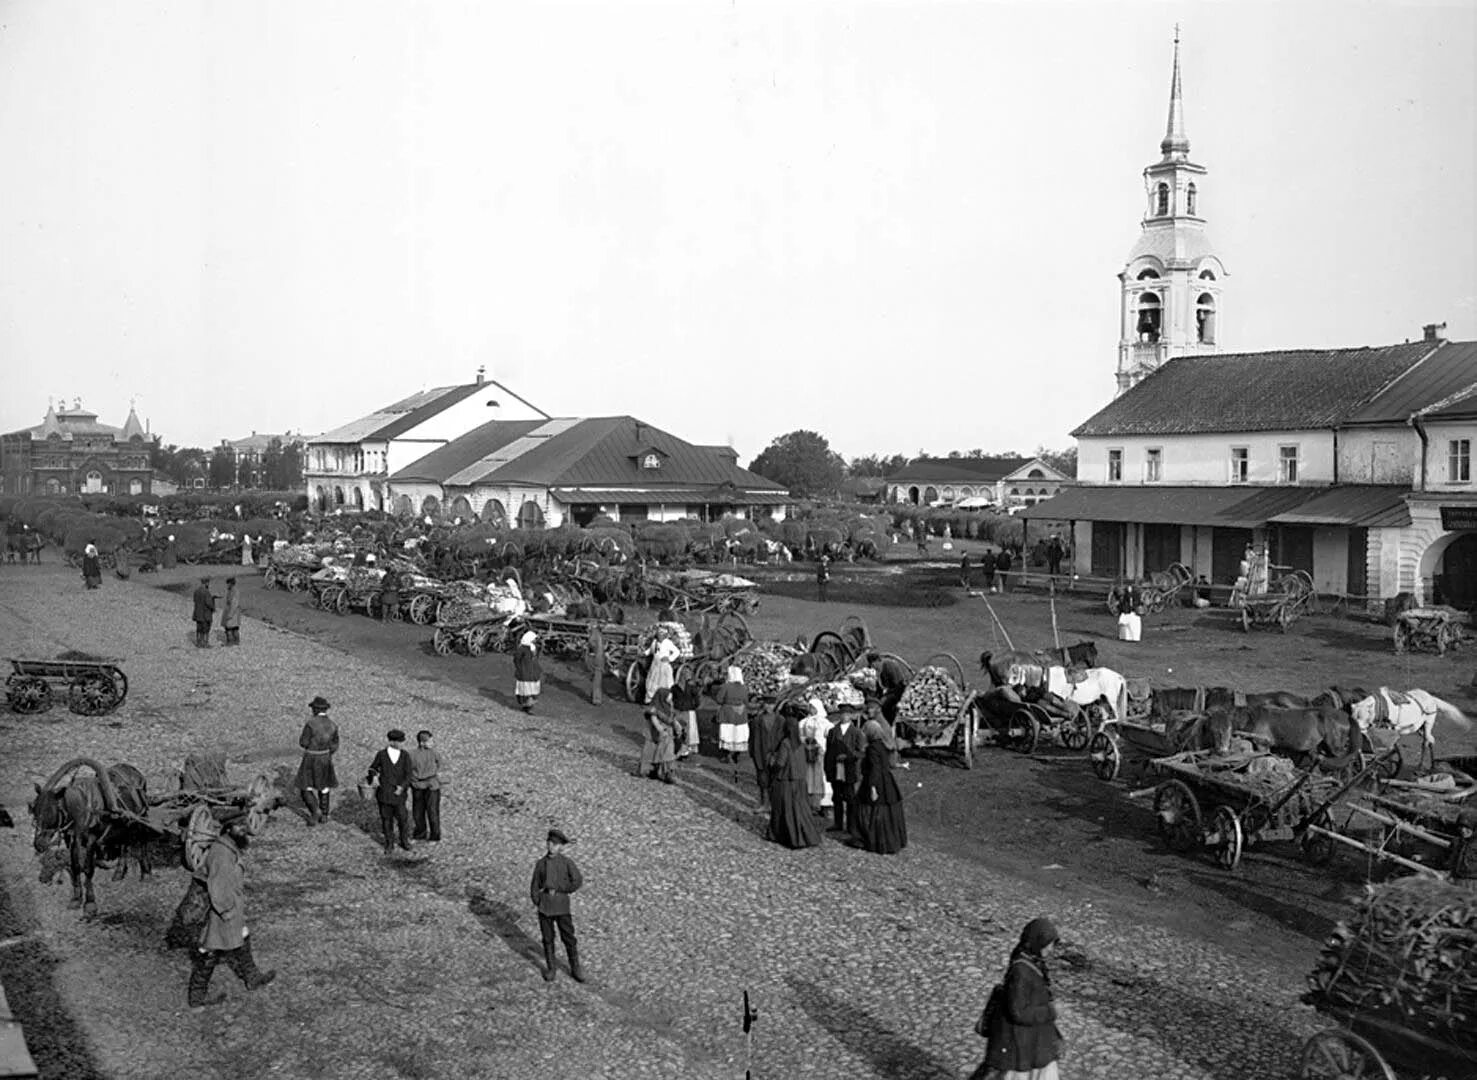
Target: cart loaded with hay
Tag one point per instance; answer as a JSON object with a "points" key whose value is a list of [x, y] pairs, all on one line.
{"points": [[1400, 978]]}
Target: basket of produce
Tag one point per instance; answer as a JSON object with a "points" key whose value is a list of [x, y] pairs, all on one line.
{"points": [[934, 696], [838, 695], [1406, 955], [766, 667]]}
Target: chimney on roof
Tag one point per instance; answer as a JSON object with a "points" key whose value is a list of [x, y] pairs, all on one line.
{"points": [[1434, 331], [481, 375]]}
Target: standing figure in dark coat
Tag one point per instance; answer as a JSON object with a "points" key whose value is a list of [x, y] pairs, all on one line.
{"points": [[92, 567], [555, 878], [964, 569], [167, 560], [528, 673], [316, 778], [231, 613], [1002, 569], [390, 597], [225, 937], [1024, 1042], [822, 577], [763, 735], [391, 768], [845, 748], [204, 613], [791, 821], [879, 800]]}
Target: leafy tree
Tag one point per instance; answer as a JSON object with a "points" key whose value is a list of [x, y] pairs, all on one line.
{"points": [[1063, 461], [876, 465], [222, 467], [803, 462]]}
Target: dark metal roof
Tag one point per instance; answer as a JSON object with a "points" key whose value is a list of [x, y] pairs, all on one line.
{"points": [[445, 461], [1449, 370], [1365, 505], [1228, 507], [420, 413], [718, 493], [958, 470], [1267, 391]]}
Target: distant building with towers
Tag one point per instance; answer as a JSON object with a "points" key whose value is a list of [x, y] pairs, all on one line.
{"points": [[70, 453]]}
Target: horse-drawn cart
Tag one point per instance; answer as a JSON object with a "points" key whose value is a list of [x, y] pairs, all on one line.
{"points": [[93, 687], [1289, 597], [1156, 592], [1225, 802], [936, 710], [1428, 629]]}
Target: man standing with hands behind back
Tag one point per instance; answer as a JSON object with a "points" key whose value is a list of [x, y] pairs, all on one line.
{"points": [[555, 877]]}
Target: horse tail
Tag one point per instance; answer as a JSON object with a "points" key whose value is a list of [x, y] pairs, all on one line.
{"points": [[1450, 712]]}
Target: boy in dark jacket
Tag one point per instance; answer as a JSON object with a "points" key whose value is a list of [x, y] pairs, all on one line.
{"points": [[555, 878], [392, 769], [845, 748]]}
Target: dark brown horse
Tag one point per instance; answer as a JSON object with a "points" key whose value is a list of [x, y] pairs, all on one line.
{"points": [[92, 816], [1304, 732]]}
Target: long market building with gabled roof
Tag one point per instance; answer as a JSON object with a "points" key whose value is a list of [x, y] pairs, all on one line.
{"points": [[553, 472]]}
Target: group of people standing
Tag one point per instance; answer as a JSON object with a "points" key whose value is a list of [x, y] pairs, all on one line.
{"points": [[204, 613]]}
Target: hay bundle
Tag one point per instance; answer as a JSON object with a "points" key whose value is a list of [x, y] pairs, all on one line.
{"points": [[931, 695], [1409, 951], [766, 667]]}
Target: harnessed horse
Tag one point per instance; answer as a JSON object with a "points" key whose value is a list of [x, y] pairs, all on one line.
{"points": [[1405, 712], [1082, 654], [84, 813], [1089, 687]]}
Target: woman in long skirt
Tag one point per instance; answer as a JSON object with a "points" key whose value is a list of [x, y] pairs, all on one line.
{"points": [[879, 800], [659, 752], [92, 573], [791, 821], [686, 697], [1024, 1043], [528, 674], [764, 736], [733, 715], [813, 731], [664, 653]]}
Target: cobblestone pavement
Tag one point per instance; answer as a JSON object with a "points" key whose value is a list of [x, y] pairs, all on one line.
{"points": [[426, 964]]}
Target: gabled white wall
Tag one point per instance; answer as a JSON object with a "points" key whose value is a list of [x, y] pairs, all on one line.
{"points": [[1438, 470], [1206, 459]]}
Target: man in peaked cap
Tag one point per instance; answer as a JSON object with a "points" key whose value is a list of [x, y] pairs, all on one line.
{"points": [[225, 937], [555, 878], [204, 613], [316, 777]]}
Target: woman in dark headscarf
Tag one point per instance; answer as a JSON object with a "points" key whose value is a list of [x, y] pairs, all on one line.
{"points": [[879, 801], [1024, 1042], [764, 734], [791, 821]]}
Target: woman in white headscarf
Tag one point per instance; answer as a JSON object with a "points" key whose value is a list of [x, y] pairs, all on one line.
{"points": [[527, 673], [664, 653], [813, 731], [733, 715]]}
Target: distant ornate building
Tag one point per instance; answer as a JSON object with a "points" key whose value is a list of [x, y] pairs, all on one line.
{"points": [[69, 453]]}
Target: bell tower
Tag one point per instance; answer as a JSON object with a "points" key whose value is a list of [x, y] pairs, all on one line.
{"points": [[1170, 288]]}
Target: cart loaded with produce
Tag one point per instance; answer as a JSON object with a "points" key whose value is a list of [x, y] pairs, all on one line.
{"points": [[475, 618], [1400, 976], [936, 709]]}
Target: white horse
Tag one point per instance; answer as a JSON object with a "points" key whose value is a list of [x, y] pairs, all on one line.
{"points": [[1406, 713], [1084, 686]]}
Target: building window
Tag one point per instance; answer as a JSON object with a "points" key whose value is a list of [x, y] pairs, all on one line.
{"points": [[1161, 200], [1115, 466], [1287, 464], [1149, 319], [1459, 461], [1240, 464], [1190, 199], [1148, 275], [1153, 464], [651, 461]]}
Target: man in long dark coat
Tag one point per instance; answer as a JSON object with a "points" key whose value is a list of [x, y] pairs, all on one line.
{"points": [[392, 769], [763, 735], [204, 613]]}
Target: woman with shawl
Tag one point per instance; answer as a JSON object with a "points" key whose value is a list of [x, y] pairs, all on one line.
{"points": [[528, 674], [1020, 1021], [791, 821], [733, 715], [92, 573], [813, 731], [659, 752], [878, 798]]}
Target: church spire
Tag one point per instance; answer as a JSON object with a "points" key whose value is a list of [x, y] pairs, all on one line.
{"points": [[1175, 145]]}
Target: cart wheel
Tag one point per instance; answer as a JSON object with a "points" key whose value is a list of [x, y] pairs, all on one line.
{"points": [[1025, 731], [442, 642], [396, 614], [340, 602], [298, 581], [964, 731], [635, 678], [1342, 1055], [1113, 600], [1179, 815], [1226, 838], [92, 695], [1246, 618], [120, 684], [1318, 849], [420, 608], [1389, 768], [269, 578], [1102, 751], [28, 694], [1076, 732], [476, 642]]}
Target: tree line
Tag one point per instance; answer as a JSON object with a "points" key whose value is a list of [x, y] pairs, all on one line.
{"points": [[804, 462], [279, 468]]}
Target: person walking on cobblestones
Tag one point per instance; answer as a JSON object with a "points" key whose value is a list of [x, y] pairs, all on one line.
{"points": [[528, 673], [733, 715], [845, 748], [231, 613], [316, 778], [391, 771], [425, 788], [555, 878], [204, 613], [791, 820], [880, 819], [1024, 1043], [225, 937]]}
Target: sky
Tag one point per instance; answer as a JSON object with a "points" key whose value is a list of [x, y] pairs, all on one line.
{"points": [[897, 224]]}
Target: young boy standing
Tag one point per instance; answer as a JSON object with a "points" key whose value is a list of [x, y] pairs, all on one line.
{"points": [[555, 877], [425, 788]]}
